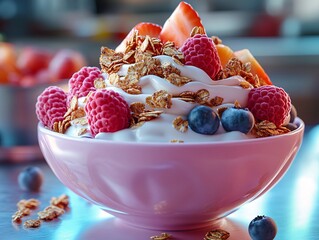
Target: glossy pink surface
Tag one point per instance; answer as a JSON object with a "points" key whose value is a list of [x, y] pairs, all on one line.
{"points": [[165, 185]]}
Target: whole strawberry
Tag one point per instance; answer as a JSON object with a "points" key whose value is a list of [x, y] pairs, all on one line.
{"points": [[107, 111], [82, 82], [200, 51], [51, 106], [269, 103]]}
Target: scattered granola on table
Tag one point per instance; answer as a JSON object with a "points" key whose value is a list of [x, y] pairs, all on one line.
{"points": [[32, 223], [57, 207], [50, 213], [24, 209], [28, 204], [61, 201], [18, 215], [217, 234], [163, 236]]}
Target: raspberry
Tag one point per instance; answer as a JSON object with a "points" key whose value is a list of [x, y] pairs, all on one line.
{"points": [[51, 106], [269, 103], [107, 111], [82, 82], [200, 51]]}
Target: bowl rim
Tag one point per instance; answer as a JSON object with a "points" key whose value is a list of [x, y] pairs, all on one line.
{"points": [[298, 121]]}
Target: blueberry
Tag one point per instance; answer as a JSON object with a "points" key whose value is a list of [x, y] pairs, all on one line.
{"points": [[262, 228], [203, 120], [291, 126], [293, 114], [30, 179], [237, 119]]}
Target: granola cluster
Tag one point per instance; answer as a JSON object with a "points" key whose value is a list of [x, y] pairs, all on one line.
{"points": [[201, 96], [57, 207], [144, 64], [235, 67], [139, 114], [266, 129], [24, 209], [75, 115], [74, 112], [180, 124]]}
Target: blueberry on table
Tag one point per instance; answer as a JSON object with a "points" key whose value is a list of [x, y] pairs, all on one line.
{"points": [[262, 228], [30, 179], [203, 120], [237, 119]]}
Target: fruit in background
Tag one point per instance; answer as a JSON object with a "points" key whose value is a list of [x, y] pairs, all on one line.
{"points": [[245, 56], [43, 76], [29, 66], [4, 75], [179, 25], [15, 78], [30, 179], [7, 55], [66, 62], [143, 28], [225, 53], [27, 81], [31, 60]]}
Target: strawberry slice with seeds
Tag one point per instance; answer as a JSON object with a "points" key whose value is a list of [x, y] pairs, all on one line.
{"points": [[179, 25], [144, 29]]}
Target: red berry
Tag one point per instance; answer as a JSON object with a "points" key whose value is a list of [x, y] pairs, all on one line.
{"points": [[269, 103], [107, 111], [51, 106], [200, 51], [82, 82]]}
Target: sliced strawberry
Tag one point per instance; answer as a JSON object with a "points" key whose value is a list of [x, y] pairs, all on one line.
{"points": [[179, 25], [143, 28], [246, 56], [150, 29]]}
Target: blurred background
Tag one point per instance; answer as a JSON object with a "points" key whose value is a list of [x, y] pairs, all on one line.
{"points": [[282, 34]]}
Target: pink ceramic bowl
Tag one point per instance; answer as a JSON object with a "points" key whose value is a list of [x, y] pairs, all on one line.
{"points": [[169, 186]]}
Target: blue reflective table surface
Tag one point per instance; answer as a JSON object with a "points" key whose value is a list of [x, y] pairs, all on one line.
{"points": [[293, 203]]}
